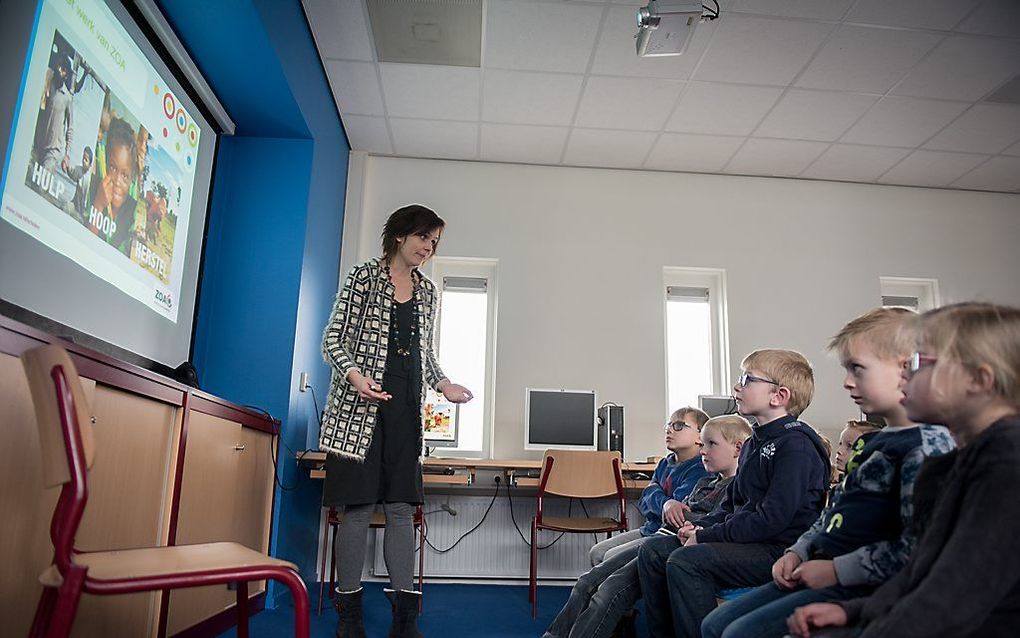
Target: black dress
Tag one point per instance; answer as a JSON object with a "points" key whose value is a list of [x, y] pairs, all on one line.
{"points": [[391, 471]]}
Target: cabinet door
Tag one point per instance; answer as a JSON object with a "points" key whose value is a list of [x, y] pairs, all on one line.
{"points": [[208, 501], [254, 501]]}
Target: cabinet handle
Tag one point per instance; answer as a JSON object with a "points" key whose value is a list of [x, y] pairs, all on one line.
{"points": [[239, 447]]}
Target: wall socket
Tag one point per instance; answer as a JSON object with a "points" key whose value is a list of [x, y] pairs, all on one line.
{"points": [[303, 382]]}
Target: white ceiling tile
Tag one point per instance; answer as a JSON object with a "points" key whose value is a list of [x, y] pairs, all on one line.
{"points": [[724, 109], [811, 9], [431, 138], [854, 163], [963, 68], [340, 29], [903, 121], [866, 59], [997, 174], [616, 54], [931, 168], [760, 51], [526, 144], [774, 157], [527, 97], [622, 149], [367, 133], [985, 128], [1013, 150], [637, 104], [540, 36], [994, 17], [439, 92], [923, 14], [355, 86], [696, 153], [814, 115]]}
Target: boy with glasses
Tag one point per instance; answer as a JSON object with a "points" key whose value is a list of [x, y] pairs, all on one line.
{"points": [[867, 533], [778, 492]]}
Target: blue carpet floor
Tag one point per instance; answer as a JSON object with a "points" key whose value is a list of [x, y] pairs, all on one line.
{"points": [[490, 611]]}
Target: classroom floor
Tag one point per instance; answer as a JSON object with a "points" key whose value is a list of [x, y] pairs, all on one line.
{"points": [[492, 611]]}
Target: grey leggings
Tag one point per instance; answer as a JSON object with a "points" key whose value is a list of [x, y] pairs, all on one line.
{"points": [[398, 545]]}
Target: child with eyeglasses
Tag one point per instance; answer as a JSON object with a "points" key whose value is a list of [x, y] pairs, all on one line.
{"points": [[777, 494], [603, 597], [963, 577], [868, 530]]}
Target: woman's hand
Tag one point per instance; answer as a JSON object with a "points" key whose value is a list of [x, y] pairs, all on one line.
{"points": [[815, 616], [782, 570], [455, 393], [367, 388]]}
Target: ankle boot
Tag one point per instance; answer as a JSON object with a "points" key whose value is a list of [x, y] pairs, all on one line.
{"points": [[405, 613], [348, 607]]}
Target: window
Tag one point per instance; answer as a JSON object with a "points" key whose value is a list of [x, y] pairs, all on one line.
{"points": [[696, 327], [919, 295], [466, 340]]}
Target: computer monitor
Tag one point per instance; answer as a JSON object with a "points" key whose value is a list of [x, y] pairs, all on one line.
{"points": [[439, 422], [563, 419], [717, 405]]}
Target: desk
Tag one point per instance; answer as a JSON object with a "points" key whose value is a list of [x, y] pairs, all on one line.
{"points": [[316, 461]]}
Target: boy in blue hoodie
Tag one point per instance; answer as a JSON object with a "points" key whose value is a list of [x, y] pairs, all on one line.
{"points": [[777, 494]]}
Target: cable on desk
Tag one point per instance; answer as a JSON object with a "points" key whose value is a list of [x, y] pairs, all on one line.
{"points": [[495, 493]]}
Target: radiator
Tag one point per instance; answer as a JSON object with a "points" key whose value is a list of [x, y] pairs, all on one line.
{"points": [[496, 550]]}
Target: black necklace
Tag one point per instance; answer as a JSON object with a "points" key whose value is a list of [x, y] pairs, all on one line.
{"points": [[404, 346]]}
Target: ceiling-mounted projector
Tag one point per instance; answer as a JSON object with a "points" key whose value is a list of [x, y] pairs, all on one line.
{"points": [[665, 28]]}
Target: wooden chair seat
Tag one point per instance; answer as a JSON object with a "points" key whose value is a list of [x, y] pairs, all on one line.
{"points": [[579, 524], [153, 562]]}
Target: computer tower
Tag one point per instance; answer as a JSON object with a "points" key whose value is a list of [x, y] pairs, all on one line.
{"points": [[611, 428]]}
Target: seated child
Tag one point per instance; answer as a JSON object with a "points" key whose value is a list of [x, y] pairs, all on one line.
{"points": [[866, 534], [963, 577], [851, 434], [673, 479], [778, 492], [606, 592]]}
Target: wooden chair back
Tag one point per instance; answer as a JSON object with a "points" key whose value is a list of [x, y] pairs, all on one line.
{"points": [[41, 365], [581, 473]]}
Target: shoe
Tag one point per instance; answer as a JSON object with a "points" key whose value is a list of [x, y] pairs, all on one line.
{"points": [[405, 613], [348, 607]]}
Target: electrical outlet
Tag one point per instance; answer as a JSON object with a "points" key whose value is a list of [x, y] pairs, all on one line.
{"points": [[303, 382]]}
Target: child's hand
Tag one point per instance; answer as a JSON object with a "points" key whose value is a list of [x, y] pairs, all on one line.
{"points": [[782, 570], [816, 574], [673, 513], [814, 616]]}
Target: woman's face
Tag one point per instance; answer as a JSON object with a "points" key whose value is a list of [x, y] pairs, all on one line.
{"points": [[416, 249], [118, 171]]}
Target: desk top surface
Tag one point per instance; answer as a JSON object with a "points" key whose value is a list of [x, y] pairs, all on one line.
{"points": [[488, 464]]}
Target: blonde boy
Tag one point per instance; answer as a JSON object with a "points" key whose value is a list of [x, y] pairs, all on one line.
{"points": [[866, 534], [777, 494]]}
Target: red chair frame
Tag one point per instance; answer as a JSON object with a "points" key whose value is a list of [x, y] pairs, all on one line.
{"points": [[59, 602]]}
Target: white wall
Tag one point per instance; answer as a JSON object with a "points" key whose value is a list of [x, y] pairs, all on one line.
{"points": [[581, 253]]}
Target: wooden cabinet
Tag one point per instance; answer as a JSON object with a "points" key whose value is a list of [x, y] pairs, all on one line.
{"points": [[141, 492]]}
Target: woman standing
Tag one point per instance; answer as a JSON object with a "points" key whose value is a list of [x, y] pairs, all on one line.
{"points": [[379, 342]]}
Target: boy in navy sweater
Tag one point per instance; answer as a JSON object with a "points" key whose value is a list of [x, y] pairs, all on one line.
{"points": [[867, 532], [777, 494]]}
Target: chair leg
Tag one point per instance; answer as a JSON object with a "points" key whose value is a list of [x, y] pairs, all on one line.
{"points": [[299, 594], [242, 609], [333, 534], [66, 606], [322, 563], [421, 561], [43, 612], [533, 581]]}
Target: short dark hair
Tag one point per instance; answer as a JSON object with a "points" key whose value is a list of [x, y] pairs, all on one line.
{"points": [[405, 221], [120, 133], [87, 152]]}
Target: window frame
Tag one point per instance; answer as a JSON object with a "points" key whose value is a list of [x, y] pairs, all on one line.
{"points": [[924, 290], [478, 268]]}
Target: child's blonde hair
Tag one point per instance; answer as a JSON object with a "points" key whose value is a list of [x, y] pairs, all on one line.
{"points": [[733, 427], [789, 369], [699, 417], [889, 332], [862, 426], [973, 334]]}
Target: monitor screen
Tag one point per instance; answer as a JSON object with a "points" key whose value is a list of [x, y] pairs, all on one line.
{"points": [[105, 181], [439, 423], [717, 405], [563, 419]]}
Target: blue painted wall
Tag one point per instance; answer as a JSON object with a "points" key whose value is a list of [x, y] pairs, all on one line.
{"points": [[273, 246]]}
